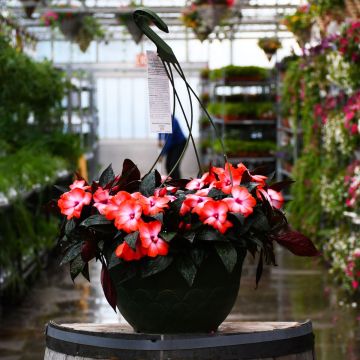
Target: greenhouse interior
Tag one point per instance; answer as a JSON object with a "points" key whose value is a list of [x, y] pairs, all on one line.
{"points": [[155, 152]]}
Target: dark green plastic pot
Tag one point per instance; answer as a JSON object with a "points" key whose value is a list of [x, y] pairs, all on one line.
{"points": [[165, 303]]}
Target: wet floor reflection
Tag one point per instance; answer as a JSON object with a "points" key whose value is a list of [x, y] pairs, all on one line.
{"points": [[297, 290]]}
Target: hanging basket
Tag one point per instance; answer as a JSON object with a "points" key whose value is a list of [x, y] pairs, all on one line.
{"points": [[71, 26], [212, 15], [133, 29], [29, 10]]}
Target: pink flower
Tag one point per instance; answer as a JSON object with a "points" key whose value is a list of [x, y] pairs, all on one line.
{"points": [[195, 184], [124, 251], [112, 207], [128, 216], [226, 182], [72, 202], [154, 205], [193, 203], [101, 198], [355, 284], [214, 213], [150, 240], [276, 198], [79, 184], [242, 202]]}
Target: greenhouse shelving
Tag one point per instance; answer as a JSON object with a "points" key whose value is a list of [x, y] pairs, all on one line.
{"points": [[247, 128]]}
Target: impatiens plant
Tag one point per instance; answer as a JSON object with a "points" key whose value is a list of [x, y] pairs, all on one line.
{"points": [[143, 225]]}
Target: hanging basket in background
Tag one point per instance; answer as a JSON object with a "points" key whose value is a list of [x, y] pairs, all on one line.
{"points": [[270, 46], [127, 20], [29, 9], [203, 16], [70, 25], [80, 28], [300, 23]]}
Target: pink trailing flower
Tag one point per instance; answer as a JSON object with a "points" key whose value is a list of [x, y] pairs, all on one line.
{"points": [[214, 213], [112, 207], [101, 198], [193, 203], [128, 216], [150, 241], [80, 184], [72, 202], [241, 202]]}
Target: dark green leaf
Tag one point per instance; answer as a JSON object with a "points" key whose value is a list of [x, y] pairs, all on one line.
{"points": [[251, 186], [113, 260], [159, 216], [156, 265], [197, 256], [85, 272], [107, 176], [227, 254], [118, 235], [270, 177], [71, 253], [190, 236], [131, 239], [76, 267], [69, 226], [216, 193], [239, 218], [209, 234], [148, 184], [187, 269], [260, 222], [167, 236], [94, 220], [247, 224]]}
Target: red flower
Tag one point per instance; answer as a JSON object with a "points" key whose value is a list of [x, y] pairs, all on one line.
{"points": [[195, 184], [150, 241], [101, 198], [214, 213], [275, 198], [193, 203], [124, 251], [242, 202], [112, 207], [154, 205], [226, 182], [72, 202], [128, 216], [79, 184]]}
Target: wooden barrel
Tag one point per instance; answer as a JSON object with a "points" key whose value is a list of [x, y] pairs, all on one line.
{"points": [[240, 340]]}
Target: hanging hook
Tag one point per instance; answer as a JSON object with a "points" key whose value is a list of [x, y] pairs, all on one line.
{"points": [[143, 17]]}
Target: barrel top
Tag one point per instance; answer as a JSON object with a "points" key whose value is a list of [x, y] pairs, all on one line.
{"points": [[248, 340], [226, 328]]}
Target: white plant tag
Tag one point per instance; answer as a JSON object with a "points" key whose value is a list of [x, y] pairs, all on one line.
{"points": [[159, 95]]}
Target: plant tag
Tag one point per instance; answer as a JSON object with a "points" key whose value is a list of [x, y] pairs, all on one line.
{"points": [[159, 95]]}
